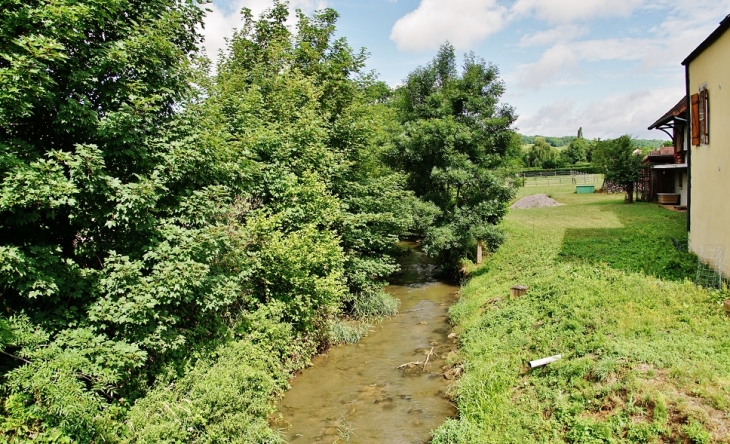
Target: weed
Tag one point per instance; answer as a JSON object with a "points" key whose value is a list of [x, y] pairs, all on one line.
{"points": [[697, 433], [347, 332], [374, 305], [345, 431]]}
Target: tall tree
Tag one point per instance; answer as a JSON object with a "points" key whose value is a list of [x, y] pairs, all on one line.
{"points": [[455, 148], [576, 151], [620, 162], [542, 155]]}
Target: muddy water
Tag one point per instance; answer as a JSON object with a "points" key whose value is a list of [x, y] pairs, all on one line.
{"points": [[356, 394]]}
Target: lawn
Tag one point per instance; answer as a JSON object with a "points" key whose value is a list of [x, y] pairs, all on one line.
{"points": [[645, 353]]}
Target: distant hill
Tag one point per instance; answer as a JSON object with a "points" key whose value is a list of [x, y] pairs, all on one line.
{"points": [[565, 140], [649, 143]]}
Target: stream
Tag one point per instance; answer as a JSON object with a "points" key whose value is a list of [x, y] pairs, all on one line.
{"points": [[356, 393]]}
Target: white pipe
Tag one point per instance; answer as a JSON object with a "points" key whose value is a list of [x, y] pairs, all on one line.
{"points": [[544, 361]]}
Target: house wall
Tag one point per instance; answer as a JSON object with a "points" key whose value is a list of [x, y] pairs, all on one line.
{"points": [[710, 211]]}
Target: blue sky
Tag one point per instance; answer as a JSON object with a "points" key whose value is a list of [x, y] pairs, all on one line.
{"points": [[610, 66]]}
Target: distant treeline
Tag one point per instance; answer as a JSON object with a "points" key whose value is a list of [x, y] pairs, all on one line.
{"points": [[558, 142], [552, 141]]}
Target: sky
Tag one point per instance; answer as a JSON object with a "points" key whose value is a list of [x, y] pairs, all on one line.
{"points": [[612, 67]]}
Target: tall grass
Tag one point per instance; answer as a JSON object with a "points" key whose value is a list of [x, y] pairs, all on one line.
{"points": [[646, 354]]}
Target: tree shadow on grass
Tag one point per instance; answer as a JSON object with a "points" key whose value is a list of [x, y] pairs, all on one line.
{"points": [[480, 270], [643, 244]]}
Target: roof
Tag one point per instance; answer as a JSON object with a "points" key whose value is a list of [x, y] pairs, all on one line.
{"points": [[664, 154], [662, 151], [676, 111], [724, 26]]}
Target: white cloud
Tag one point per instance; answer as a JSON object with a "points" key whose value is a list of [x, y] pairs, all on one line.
{"points": [[561, 11], [462, 22], [219, 24], [609, 117], [550, 36], [557, 61], [661, 47]]}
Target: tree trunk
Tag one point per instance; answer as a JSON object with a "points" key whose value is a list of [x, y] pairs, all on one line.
{"points": [[630, 192]]}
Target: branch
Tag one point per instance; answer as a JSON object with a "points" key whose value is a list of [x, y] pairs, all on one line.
{"points": [[409, 364], [428, 356], [15, 357]]}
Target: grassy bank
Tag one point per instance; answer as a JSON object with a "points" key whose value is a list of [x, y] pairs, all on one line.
{"points": [[646, 354]]}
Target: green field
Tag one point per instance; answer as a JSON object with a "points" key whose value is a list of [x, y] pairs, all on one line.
{"points": [[645, 353]]}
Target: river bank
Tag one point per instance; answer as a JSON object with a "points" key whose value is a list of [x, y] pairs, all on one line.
{"points": [[645, 354]]}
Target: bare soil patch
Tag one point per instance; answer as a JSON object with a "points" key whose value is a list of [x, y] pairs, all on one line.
{"points": [[535, 201]]}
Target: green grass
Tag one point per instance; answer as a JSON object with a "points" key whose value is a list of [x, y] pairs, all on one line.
{"points": [[646, 354], [348, 332]]}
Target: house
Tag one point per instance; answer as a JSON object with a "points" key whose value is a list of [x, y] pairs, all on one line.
{"points": [[707, 80], [668, 179]]}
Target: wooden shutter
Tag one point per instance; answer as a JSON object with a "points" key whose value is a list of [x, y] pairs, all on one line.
{"points": [[695, 119], [705, 100]]}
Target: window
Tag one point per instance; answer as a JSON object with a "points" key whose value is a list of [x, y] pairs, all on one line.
{"points": [[701, 117]]}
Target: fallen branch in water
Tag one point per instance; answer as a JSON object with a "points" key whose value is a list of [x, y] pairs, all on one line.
{"points": [[428, 356], [415, 363], [409, 364]]}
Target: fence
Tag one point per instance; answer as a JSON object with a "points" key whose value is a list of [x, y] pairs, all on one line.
{"points": [[549, 178]]}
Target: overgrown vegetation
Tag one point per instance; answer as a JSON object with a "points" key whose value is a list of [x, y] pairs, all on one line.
{"points": [[154, 228], [174, 244], [645, 352], [456, 149]]}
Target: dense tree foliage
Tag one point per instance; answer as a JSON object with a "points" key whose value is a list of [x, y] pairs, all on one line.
{"points": [[556, 142], [576, 152], [620, 161], [170, 236], [542, 155], [98, 278], [455, 145], [175, 243]]}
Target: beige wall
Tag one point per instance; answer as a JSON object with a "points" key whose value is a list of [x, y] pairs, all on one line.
{"points": [[710, 199]]}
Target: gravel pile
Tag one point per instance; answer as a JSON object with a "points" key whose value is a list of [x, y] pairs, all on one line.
{"points": [[535, 201]]}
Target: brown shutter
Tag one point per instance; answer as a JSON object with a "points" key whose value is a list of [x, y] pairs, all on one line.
{"points": [[706, 126], [695, 119]]}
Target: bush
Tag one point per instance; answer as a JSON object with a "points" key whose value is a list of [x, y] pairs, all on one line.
{"points": [[223, 399]]}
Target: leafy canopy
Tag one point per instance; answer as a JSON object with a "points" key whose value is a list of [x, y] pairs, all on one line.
{"points": [[455, 145], [620, 161], [155, 219]]}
